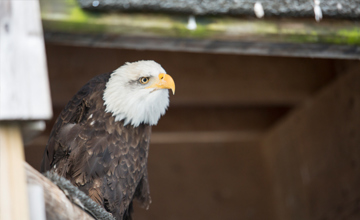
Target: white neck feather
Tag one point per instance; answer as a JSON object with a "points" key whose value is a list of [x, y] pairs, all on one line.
{"points": [[131, 104]]}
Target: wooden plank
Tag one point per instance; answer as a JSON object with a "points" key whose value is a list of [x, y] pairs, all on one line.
{"points": [[13, 190], [24, 89], [66, 22], [313, 155], [201, 79], [311, 50], [58, 206]]}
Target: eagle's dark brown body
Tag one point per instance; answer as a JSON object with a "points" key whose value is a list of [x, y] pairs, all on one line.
{"points": [[101, 156]]}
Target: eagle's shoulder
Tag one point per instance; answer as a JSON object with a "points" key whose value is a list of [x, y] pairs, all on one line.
{"points": [[90, 92], [74, 112]]}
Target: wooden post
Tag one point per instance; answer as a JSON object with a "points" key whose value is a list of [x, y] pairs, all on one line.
{"points": [[13, 192], [24, 98]]}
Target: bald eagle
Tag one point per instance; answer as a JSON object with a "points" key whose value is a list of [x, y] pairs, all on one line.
{"points": [[100, 141]]}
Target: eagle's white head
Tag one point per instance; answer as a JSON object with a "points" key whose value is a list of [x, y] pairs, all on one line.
{"points": [[138, 93]]}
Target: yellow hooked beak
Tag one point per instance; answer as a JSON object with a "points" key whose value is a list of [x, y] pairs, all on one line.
{"points": [[164, 82]]}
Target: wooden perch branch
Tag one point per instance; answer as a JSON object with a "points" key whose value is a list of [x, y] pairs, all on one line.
{"points": [[58, 206]]}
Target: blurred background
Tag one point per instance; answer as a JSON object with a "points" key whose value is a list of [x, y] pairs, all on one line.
{"points": [[265, 122]]}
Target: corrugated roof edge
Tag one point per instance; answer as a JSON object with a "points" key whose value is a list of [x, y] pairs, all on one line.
{"points": [[348, 9]]}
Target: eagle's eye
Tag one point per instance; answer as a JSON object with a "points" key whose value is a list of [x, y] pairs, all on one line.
{"points": [[144, 80]]}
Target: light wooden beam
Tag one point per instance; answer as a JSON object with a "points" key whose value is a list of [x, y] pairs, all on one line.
{"points": [[13, 190]]}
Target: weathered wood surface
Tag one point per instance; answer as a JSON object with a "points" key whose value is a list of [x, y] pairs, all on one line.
{"points": [[36, 202], [24, 88], [13, 190], [58, 206], [313, 156], [65, 22]]}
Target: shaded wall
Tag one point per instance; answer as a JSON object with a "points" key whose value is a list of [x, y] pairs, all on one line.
{"points": [[205, 157], [313, 155]]}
